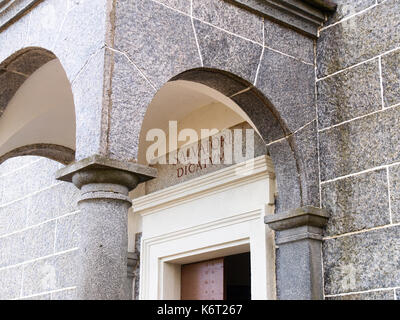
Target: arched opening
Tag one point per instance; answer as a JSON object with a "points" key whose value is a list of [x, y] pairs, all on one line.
{"points": [[195, 219], [37, 107], [38, 214]]}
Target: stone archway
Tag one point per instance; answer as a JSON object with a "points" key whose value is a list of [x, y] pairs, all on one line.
{"points": [[295, 167], [294, 152], [37, 113]]}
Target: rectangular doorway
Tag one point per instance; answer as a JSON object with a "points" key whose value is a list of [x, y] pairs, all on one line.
{"points": [[226, 278]]}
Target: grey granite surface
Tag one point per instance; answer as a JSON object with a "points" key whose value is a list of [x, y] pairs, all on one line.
{"points": [[346, 8], [359, 38], [374, 295], [155, 45], [288, 41], [391, 78], [224, 51], [350, 94], [361, 144], [365, 261], [290, 86], [229, 17], [356, 203], [52, 273], [394, 180]]}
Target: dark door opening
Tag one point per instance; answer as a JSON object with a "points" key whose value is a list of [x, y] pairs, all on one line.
{"points": [[226, 278], [237, 277]]}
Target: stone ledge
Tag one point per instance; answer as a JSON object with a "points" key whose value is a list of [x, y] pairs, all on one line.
{"points": [[326, 5], [99, 162], [305, 216], [11, 10], [303, 16]]}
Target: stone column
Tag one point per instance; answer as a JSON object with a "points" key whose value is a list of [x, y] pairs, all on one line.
{"points": [[299, 254], [103, 206]]}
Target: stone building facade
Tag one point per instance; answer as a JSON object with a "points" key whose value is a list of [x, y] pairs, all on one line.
{"points": [[83, 215]]}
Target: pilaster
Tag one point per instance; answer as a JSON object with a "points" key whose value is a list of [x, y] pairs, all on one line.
{"points": [[299, 259]]}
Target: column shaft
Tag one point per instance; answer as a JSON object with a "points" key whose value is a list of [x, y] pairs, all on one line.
{"points": [[103, 224], [298, 257]]}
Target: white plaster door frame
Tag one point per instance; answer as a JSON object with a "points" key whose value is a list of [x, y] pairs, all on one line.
{"points": [[215, 215]]}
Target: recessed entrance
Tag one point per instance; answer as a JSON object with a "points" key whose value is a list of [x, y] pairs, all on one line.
{"points": [[226, 278]]}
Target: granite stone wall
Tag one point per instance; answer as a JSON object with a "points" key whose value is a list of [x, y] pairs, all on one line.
{"points": [[266, 68], [337, 101], [358, 105], [75, 32], [38, 231]]}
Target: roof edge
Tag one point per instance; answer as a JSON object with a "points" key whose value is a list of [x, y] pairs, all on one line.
{"points": [[325, 5]]}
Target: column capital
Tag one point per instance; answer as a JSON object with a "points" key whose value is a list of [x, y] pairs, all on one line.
{"points": [[103, 223], [299, 224], [304, 216], [100, 169]]}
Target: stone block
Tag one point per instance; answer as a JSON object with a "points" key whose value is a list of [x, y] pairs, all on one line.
{"points": [[13, 217], [290, 86], [40, 175], [307, 256], [52, 273], [88, 97], [227, 52], [219, 81], [67, 235], [361, 144], [131, 95], [27, 245], [346, 8], [289, 193], [290, 285], [45, 23], [232, 18], [13, 164], [263, 118], [181, 5], [160, 41], [288, 41], [12, 249], [39, 241], [391, 78], [350, 94], [14, 186], [359, 38], [14, 39], [394, 179], [364, 261], [356, 203], [10, 283], [53, 202], [306, 146], [84, 28]]}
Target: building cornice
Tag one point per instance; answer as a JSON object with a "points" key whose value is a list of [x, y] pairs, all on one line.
{"points": [[11, 10], [305, 16]]}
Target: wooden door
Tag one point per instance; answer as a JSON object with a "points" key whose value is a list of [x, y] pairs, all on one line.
{"points": [[203, 280]]}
